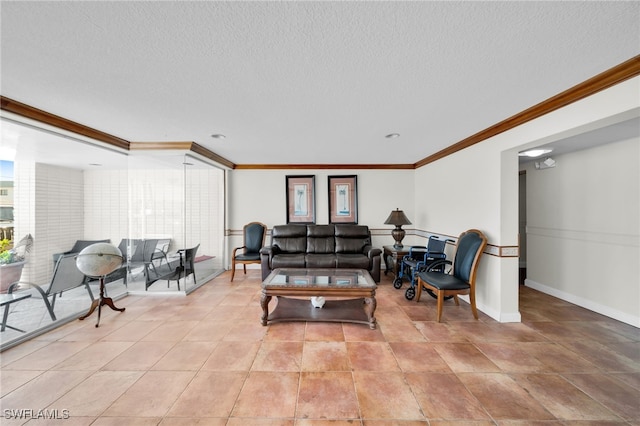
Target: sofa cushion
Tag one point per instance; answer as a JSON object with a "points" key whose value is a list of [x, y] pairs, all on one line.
{"points": [[351, 238], [290, 238], [314, 260], [296, 260], [320, 239], [347, 260]]}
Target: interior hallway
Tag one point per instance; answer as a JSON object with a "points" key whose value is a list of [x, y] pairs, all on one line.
{"points": [[205, 359]]}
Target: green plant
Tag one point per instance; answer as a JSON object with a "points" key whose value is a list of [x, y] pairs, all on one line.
{"points": [[17, 253], [5, 245], [5, 251]]}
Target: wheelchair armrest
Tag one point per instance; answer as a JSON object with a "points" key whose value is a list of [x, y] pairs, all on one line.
{"points": [[419, 249], [437, 255]]}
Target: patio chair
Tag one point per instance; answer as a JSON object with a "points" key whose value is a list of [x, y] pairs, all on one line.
{"points": [[78, 247], [128, 247], [143, 255], [161, 250], [174, 270], [66, 276]]}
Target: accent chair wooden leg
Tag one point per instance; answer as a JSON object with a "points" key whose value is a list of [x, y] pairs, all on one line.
{"points": [[233, 268], [440, 303], [455, 297], [472, 299], [419, 289], [244, 266]]}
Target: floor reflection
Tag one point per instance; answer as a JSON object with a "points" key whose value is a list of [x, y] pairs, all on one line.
{"points": [[31, 314]]}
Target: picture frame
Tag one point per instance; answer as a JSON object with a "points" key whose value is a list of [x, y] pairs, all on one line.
{"points": [[301, 199], [343, 199]]}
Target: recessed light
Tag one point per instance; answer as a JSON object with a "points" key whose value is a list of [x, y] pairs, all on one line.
{"points": [[95, 164], [218, 136], [534, 152], [392, 135]]}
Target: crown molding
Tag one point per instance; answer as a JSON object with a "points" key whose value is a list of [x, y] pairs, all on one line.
{"points": [[44, 117], [185, 146], [602, 81], [324, 166], [41, 116]]}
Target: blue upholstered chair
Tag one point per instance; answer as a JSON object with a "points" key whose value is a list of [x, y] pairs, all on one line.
{"points": [[254, 234], [462, 279]]}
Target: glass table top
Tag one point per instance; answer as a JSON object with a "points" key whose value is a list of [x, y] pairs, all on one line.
{"points": [[291, 277]]}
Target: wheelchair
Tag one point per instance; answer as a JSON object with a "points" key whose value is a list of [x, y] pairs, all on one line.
{"points": [[422, 258]]}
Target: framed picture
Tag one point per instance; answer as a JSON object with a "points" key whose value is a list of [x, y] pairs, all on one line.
{"points": [[301, 199], [343, 199]]}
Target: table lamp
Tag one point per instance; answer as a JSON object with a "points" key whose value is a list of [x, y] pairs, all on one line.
{"points": [[397, 218], [97, 261]]}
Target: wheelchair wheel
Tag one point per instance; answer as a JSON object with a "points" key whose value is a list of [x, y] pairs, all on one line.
{"points": [[397, 283], [410, 293], [443, 266]]}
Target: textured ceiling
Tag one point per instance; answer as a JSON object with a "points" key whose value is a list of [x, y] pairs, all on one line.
{"points": [[305, 82]]}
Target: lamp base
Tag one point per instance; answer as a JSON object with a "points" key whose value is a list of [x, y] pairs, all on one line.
{"points": [[99, 303], [398, 234]]}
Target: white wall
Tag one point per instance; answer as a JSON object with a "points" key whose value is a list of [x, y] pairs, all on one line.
{"points": [[58, 206], [49, 204], [473, 188], [482, 187], [106, 195], [259, 195], [470, 198], [156, 203], [204, 212], [584, 226]]}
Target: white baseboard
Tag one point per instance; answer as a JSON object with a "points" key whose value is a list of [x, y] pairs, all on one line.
{"points": [[496, 315], [587, 304]]}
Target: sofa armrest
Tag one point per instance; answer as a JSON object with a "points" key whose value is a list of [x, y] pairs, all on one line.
{"points": [[371, 251], [270, 251], [266, 255]]}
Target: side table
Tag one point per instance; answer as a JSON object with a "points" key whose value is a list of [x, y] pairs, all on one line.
{"points": [[393, 257]]}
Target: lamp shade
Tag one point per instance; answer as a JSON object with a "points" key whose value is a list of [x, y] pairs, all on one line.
{"points": [[397, 217], [99, 259]]}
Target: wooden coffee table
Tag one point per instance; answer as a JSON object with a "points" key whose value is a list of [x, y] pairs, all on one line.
{"points": [[350, 295]]}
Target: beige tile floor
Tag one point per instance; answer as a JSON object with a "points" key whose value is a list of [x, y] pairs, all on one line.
{"points": [[205, 359], [31, 315]]}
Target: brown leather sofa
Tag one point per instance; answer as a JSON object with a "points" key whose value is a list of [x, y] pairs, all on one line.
{"points": [[321, 246]]}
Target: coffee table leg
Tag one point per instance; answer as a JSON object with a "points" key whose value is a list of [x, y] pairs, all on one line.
{"points": [[264, 302], [370, 308]]}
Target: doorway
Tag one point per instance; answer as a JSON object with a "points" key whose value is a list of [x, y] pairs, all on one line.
{"points": [[522, 225]]}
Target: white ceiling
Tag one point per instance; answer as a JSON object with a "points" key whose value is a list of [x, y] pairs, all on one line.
{"points": [[305, 82]]}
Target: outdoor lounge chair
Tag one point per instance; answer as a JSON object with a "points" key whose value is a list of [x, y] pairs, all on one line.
{"points": [[66, 276]]}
